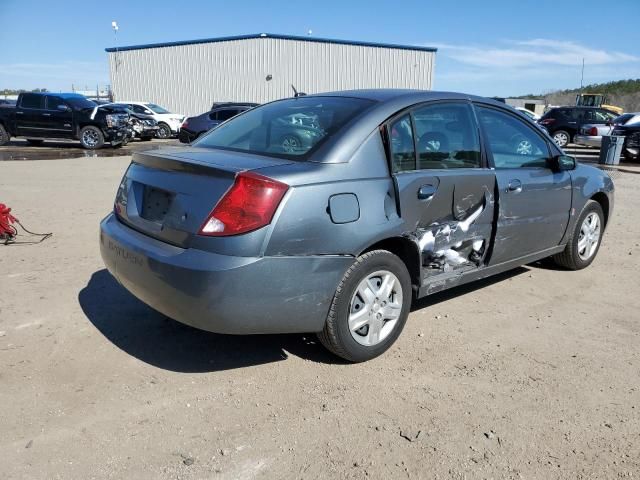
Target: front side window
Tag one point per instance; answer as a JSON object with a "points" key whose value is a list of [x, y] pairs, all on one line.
{"points": [[446, 136], [139, 109], [32, 101], [403, 153], [54, 102], [289, 128], [513, 143]]}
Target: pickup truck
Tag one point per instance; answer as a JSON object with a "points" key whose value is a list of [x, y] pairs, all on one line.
{"points": [[40, 116]]}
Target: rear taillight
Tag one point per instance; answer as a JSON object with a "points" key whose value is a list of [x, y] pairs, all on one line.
{"points": [[185, 124], [593, 131], [248, 205], [547, 121]]}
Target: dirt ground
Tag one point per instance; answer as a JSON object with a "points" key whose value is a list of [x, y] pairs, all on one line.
{"points": [[533, 374]]}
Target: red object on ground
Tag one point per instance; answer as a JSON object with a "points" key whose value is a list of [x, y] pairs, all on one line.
{"points": [[6, 221]]}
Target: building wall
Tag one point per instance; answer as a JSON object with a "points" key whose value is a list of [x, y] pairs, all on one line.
{"points": [[189, 78]]}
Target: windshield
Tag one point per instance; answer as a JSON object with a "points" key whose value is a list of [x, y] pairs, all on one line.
{"points": [[290, 128], [80, 102], [157, 108]]}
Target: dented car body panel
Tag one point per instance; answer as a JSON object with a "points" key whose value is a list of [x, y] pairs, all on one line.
{"points": [[460, 217]]}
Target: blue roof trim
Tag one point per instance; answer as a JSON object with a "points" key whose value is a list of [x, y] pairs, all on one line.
{"points": [[271, 35]]}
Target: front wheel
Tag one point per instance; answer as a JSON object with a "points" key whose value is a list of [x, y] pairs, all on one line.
{"points": [[164, 131], [91, 137], [369, 308], [584, 242], [561, 138]]}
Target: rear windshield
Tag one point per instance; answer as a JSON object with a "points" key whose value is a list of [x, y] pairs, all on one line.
{"points": [[622, 119], [287, 128]]}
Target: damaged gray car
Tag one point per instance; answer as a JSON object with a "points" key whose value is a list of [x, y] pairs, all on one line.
{"points": [[397, 195]]}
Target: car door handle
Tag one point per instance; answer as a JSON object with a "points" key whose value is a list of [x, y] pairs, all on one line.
{"points": [[19, 113], [426, 192], [46, 114], [514, 186]]}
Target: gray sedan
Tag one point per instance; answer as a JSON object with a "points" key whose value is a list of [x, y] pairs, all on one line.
{"points": [[590, 135], [398, 194]]}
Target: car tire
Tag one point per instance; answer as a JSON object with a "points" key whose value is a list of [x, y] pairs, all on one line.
{"points": [[164, 131], [4, 136], [91, 137], [358, 289], [34, 142], [562, 138], [584, 241]]}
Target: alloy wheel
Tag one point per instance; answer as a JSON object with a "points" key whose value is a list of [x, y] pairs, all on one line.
{"points": [[375, 308], [561, 139], [589, 236], [90, 138]]}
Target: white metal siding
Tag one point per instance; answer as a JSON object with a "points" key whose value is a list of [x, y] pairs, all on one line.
{"points": [[189, 78]]}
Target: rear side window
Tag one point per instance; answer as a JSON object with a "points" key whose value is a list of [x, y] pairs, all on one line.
{"points": [[513, 143], [226, 114], [446, 136], [403, 154], [289, 128], [32, 101]]}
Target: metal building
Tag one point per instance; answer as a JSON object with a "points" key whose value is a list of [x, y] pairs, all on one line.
{"points": [[187, 77]]}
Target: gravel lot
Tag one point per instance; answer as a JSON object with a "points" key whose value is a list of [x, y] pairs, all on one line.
{"points": [[533, 374]]}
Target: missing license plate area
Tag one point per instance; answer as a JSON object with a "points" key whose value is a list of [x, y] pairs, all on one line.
{"points": [[155, 204]]}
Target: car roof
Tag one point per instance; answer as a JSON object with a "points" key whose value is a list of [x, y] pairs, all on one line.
{"points": [[56, 94], [384, 95]]}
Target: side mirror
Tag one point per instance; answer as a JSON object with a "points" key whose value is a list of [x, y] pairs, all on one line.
{"points": [[562, 163], [63, 108]]}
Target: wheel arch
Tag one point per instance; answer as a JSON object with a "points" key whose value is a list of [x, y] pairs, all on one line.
{"points": [[603, 200], [403, 248]]}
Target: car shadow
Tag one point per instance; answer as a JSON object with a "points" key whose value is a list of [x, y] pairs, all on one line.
{"points": [[157, 340]]}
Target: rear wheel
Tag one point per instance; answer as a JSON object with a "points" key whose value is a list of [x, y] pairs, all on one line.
{"points": [[4, 136], [561, 138], [35, 142], [584, 242], [91, 137], [369, 308]]}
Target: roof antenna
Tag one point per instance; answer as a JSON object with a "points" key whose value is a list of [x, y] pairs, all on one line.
{"points": [[297, 94]]}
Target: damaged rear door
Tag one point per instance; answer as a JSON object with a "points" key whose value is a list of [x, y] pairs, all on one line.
{"points": [[445, 191]]}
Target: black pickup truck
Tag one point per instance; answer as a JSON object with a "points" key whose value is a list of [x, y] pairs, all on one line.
{"points": [[40, 116]]}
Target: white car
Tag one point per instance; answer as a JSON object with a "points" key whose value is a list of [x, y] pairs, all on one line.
{"points": [[168, 123], [528, 113]]}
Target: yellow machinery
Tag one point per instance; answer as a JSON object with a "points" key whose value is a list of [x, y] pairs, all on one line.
{"points": [[596, 100]]}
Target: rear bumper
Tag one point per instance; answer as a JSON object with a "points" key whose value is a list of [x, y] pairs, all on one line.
{"points": [[186, 136], [220, 293], [588, 140]]}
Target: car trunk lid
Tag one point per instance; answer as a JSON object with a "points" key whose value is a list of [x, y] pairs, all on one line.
{"points": [[168, 194]]}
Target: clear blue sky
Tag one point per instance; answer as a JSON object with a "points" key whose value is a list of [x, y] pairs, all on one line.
{"points": [[490, 47]]}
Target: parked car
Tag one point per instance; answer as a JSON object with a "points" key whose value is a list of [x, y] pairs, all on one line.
{"points": [[141, 126], [528, 113], [564, 123], [630, 130], [591, 134], [7, 103], [193, 127], [168, 123], [41, 116], [394, 199]]}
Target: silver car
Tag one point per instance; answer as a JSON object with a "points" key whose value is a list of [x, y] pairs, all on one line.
{"points": [[398, 194], [591, 134]]}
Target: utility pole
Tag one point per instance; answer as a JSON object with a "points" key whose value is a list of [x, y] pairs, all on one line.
{"points": [[582, 76]]}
